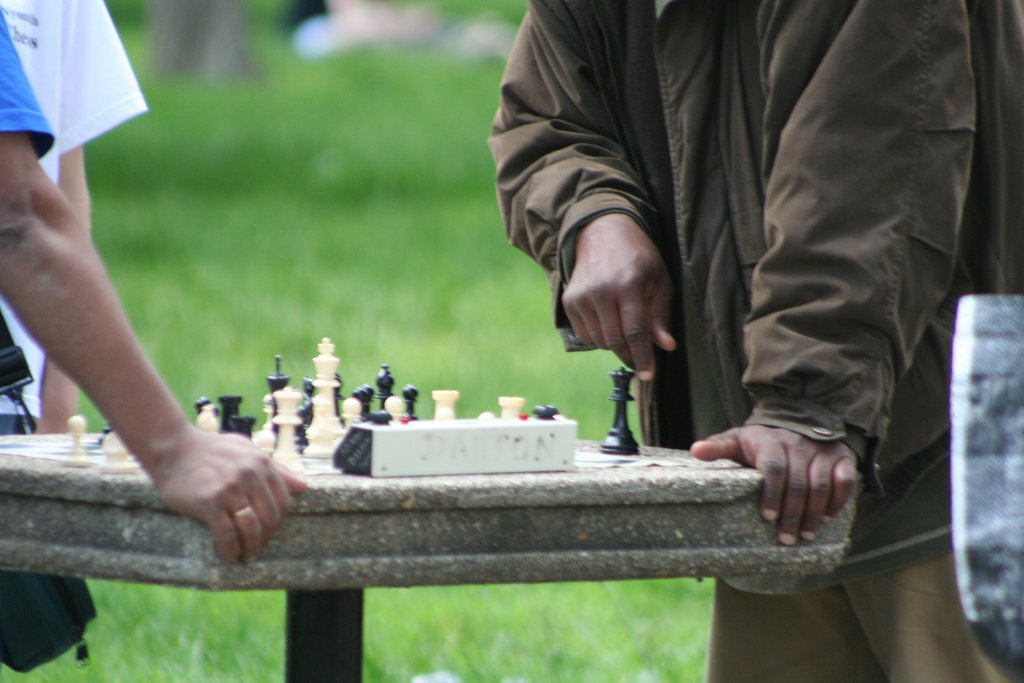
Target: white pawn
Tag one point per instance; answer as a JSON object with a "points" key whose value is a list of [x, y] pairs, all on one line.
{"points": [[396, 408], [287, 419], [511, 407], [444, 403], [351, 410], [117, 461], [77, 457], [265, 439], [207, 420], [320, 437]]}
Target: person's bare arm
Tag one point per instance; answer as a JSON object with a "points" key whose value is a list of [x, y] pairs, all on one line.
{"points": [[60, 394], [53, 277]]}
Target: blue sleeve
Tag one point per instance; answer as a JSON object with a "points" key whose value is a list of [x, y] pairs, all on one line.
{"points": [[19, 112]]}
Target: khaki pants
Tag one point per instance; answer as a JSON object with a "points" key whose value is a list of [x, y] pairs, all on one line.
{"points": [[905, 626]]}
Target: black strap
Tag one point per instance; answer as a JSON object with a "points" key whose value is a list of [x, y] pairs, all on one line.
{"points": [[27, 422]]}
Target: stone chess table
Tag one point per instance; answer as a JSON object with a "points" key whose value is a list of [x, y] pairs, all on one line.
{"points": [[663, 514]]}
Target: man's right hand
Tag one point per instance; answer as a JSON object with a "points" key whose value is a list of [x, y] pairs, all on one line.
{"points": [[227, 483], [619, 293]]}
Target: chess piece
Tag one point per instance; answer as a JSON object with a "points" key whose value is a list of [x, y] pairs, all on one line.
{"points": [[305, 414], [200, 402], [409, 395], [77, 457], [444, 403], [117, 460], [287, 419], [395, 407], [545, 412], [241, 424], [228, 409], [277, 381], [207, 420], [620, 439], [511, 407], [325, 423], [385, 381], [364, 392], [266, 438], [351, 411], [320, 438]]}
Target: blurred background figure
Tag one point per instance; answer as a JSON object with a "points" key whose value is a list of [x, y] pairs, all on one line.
{"points": [[326, 27]]}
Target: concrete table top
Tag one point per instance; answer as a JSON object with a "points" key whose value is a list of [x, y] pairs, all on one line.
{"points": [[665, 515]]}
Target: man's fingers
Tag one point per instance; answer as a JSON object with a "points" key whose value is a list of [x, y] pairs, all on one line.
{"points": [[226, 540], [819, 494], [725, 445], [250, 530], [844, 486], [776, 494]]}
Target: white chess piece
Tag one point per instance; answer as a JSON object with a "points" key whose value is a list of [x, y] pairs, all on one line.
{"points": [[77, 457], [265, 439], [118, 461], [351, 410], [511, 407], [326, 419], [396, 408], [320, 437], [207, 420], [287, 419], [444, 403]]}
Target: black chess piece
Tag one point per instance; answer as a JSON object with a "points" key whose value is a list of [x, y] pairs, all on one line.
{"points": [[545, 412], [410, 394], [305, 413], [620, 440], [241, 424], [364, 392], [228, 409], [385, 381], [337, 395], [200, 402], [276, 382]]}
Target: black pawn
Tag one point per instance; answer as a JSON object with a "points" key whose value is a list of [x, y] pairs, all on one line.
{"points": [[200, 402], [620, 440], [385, 381], [409, 394], [364, 392], [228, 409]]}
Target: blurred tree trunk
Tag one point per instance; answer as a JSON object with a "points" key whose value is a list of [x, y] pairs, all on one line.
{"points": [[207, 38]]}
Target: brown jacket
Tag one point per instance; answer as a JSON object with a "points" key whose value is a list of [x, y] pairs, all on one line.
{"points": [[824, 180]]}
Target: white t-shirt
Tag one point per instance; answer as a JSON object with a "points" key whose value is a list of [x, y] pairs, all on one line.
{"points": [[78, 69]]}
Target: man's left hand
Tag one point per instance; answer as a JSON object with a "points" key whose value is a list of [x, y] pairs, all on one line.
{"points": [[806, 482]]}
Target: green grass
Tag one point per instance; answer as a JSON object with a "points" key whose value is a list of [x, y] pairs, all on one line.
{"points": [[351, 198]]}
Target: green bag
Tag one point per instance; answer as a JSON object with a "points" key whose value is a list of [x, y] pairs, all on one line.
{"points": [[41, 617]]}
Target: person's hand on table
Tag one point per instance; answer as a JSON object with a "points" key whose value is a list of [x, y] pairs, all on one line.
{"points": [[227, 483], [806, 482], [619, 293]]}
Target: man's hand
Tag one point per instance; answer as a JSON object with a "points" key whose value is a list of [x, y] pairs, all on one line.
{"points": [[806, 482], [619, 294], [224, 481]]}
